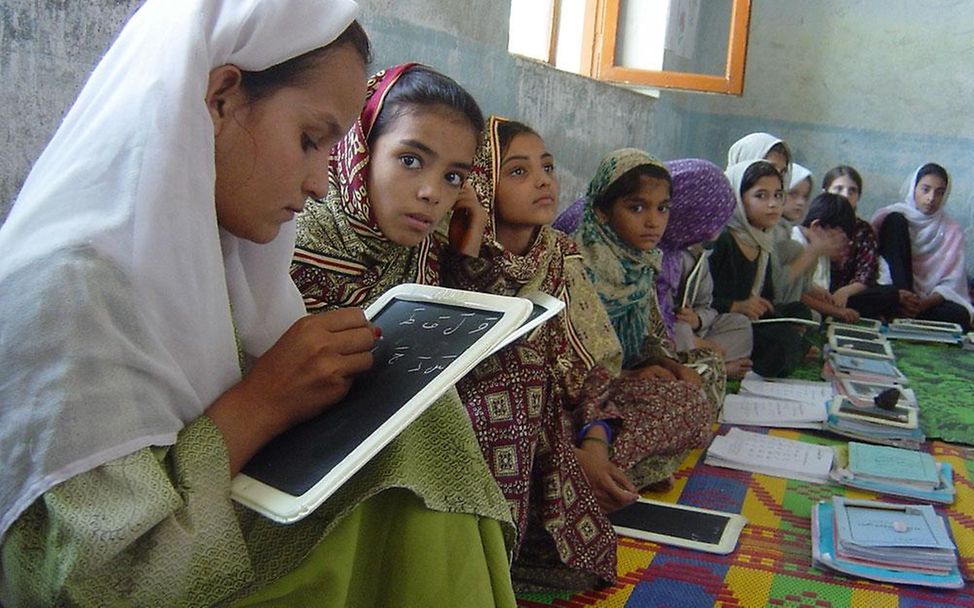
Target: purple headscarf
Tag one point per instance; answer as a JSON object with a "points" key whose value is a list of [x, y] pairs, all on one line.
{"points": [[701, 203]]}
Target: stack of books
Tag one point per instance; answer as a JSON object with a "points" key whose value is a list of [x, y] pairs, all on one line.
{"points": [[894, 471], [867, 369], [919, 330], [898, 426], [902, 544]]}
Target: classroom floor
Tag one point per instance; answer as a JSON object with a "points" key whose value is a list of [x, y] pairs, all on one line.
{"points": [[772, 563]]}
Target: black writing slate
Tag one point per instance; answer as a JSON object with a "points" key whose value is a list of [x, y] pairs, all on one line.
{"points": [[419, 340], [680, 523]]}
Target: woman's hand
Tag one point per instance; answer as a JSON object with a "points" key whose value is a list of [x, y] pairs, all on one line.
{"points": [[468, 222], [909, 303], [690, 317], [826, 242], [682, 372], [609, 483], [753, 308], [649, 372], [847, 315], [709, 345], [820, 293], [310, 368]]}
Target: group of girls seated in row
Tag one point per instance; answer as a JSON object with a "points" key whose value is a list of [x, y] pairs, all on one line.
{"points": [[180, 349]]}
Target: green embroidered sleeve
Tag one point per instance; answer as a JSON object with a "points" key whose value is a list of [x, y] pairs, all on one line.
{"points": [[155, 528]]}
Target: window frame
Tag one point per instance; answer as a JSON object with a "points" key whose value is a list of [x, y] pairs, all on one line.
{"points": [[600, 60]]}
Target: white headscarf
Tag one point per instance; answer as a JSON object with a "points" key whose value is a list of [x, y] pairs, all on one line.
{"points": [[130, 175], [754, 147], [937, 246], [743, 231], [798, 175]]}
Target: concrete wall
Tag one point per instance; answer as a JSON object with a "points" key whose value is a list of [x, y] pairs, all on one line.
{"points": [[884, 85], [47, 49]]}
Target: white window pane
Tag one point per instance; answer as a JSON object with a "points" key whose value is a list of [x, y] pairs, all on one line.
{"points": [[530, 28]]}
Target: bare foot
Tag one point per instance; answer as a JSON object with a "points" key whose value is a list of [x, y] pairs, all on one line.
{"points": [[813, 354], [737, 368]]}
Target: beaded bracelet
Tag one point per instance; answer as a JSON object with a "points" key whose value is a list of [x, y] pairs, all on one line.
{"points": [[585, 429]]}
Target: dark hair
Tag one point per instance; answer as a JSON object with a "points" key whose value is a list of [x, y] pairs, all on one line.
{"points": [[837, 172], [782, 148], [507, 130], [424, 86], [265, 82], [628, 183], [932, 169], [756, 171], [832, 211]]}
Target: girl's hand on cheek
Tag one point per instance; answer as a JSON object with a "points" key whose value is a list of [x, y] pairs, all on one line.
{"points": [[467, 224]]}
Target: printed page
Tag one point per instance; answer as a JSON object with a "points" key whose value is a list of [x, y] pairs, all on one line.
{"points": [[764, 411], [804, 391], [772, 455]]}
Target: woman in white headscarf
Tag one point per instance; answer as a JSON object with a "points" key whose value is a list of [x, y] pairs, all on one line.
{"points": [[924, 248], [153, 341]]}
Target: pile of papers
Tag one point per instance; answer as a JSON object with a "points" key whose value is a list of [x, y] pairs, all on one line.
{"points": [[777, 456], [894, 471], [905, 544], [798, 404]]}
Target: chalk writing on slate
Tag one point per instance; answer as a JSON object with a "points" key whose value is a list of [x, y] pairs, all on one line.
{"points": [[419, 340]]}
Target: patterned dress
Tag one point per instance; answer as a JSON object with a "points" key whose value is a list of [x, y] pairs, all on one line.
{"points": [[654, 421]]}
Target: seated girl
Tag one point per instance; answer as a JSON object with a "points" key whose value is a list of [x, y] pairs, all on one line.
{"points": [[701, 203], [924, 249], [645, 424], [396, 175], [830, 213], [761, 146], [627, 213], [854, 276], [793, 261], [153, 341], [741, 264], [796, 199]]}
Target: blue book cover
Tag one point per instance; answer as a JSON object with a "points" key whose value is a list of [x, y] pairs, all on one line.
{"points": [[893, 464], [868, 523], [823, 554]]}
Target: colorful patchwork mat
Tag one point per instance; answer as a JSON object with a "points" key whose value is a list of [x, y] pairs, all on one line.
{"points": [[772, 563]]}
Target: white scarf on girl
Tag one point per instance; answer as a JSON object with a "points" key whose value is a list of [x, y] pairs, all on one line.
{"points": [[937, 245], [744, 232]]}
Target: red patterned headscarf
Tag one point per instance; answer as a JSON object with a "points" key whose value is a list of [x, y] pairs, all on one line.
{"points": [[342, 258]]}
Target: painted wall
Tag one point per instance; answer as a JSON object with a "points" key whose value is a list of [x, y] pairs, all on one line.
{"points": [[881, 84], [47, 49]]}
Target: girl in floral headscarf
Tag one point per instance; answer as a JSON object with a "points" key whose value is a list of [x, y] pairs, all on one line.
{"points": [[701, 203], [646, 424], [627, 208], [376, 230]]}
